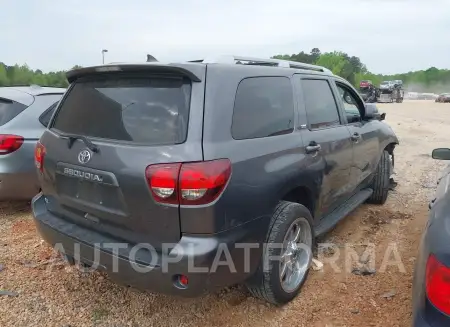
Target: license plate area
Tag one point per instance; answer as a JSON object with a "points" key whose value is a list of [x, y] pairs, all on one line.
{"points": [[89, 186], [88, 191]]}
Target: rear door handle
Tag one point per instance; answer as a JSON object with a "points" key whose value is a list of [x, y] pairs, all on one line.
{"points": [[313, 148], [355, 137]]}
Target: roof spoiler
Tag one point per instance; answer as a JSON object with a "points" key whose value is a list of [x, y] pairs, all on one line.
{"points": [[179, 69]]}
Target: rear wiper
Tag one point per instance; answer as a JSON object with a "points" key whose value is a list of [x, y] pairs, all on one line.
{"points": [[73, 137]]}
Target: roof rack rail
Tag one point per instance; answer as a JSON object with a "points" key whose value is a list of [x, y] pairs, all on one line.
{"points": [[231, 59]]}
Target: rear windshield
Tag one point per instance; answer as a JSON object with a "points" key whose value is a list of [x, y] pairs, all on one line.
{"points": [[9, 109], [136, 109]]}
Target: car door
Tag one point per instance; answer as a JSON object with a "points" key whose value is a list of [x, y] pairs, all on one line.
{"points": [[364, 136], [328, 146]]}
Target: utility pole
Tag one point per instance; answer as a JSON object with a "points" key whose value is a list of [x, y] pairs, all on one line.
{"points": [[103, 55]]}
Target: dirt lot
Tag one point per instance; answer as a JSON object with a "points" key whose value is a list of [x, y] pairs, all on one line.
{"points": [[50, 294]]}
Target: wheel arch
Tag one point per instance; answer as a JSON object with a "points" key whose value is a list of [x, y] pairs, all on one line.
{"points": [[390, 148], [303, 195]]}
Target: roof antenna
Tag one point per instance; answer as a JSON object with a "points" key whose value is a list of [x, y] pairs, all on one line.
{"points": [[150, 58]]}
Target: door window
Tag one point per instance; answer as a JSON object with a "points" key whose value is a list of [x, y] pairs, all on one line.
{"points": [[350, 102], [321, 107]]}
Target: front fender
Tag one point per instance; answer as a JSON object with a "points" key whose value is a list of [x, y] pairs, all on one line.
{"points": [[387, 137]]}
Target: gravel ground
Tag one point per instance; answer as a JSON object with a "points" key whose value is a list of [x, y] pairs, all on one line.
{"points": [[48, 293]]}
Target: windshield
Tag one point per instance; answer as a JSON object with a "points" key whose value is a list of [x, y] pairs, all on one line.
{"points": [[142, 110]]}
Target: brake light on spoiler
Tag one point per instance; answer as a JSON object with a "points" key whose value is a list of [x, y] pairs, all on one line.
{"points": [[193, 183]]}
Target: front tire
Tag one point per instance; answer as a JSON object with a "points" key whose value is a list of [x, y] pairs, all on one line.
{"points": [[287, 256], [380, 183]]}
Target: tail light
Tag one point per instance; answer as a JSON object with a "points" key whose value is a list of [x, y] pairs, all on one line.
{"points": [[188, 183], [202, 182], [10, 143], [438, 284], [39, 154], [163, 182]]}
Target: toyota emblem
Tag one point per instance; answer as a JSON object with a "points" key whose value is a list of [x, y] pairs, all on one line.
{"points": [[84, 156]]}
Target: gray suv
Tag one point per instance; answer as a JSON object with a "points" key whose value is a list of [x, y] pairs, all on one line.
{"points": [[24, 114], [189, 177]]}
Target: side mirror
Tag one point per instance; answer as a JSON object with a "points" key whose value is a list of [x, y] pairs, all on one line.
{"points": [[441, 154]]}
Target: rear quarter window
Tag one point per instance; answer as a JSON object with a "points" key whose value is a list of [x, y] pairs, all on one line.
{"points": [[263, 107], [9, 109], [137, 109], [44, 119]]}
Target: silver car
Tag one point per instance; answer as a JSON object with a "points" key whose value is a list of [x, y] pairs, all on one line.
{"points": [[24, 114]]}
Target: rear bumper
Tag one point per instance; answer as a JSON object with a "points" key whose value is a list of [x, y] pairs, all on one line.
{"points": [[429, 316], [153, 270], [418, 321]]}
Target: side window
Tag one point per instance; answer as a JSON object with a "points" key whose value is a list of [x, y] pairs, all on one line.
{"points": [[263, 107], [47, 114], [321, 107], [350, 104]]}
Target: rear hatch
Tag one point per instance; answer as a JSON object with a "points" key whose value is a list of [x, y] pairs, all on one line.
{"points": [[119, 123]]}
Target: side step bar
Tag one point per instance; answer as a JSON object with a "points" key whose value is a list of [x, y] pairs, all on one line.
{"points": [[328, 222]]}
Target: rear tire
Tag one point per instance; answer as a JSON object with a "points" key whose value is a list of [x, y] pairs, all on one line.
{"points": [[380, 183], [268, 283]]}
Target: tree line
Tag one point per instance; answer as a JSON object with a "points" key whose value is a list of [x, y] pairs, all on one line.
{"points": [[340, 63], [23, 75], [352, 69]]}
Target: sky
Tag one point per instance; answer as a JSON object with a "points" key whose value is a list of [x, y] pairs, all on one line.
{"points": [[389, 36]]}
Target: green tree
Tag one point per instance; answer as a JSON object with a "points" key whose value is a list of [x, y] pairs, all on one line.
{"points": [[3, 75], [300, 57], [315, 54]]}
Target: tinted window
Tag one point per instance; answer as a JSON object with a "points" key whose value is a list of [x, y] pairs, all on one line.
{"points": [[143, 110], [263, 107], [348, 99], [9, 109], [47, 114], [350, 104], [321, 108]]}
